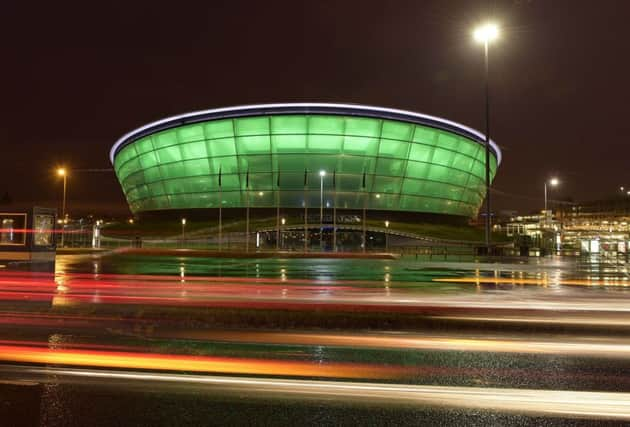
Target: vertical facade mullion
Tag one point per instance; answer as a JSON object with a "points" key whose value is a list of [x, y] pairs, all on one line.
{"points": [[237, 154], [208, 156], [406, 163], [162, 175], [272, 196], [373, 175], [339, 164]]}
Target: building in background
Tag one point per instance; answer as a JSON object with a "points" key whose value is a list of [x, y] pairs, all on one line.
{"points": [[593, 227], [308, 160]]}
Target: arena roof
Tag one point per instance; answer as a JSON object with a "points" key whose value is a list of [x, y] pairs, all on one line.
{"points": [[303, 108]]}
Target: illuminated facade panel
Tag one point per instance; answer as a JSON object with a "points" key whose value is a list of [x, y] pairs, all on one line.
{"points": [[264, 157]]}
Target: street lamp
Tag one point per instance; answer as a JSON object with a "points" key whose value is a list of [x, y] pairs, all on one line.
{"points": [[386, 236], [485, 34], [62, 173], [183, 230], [284, 221], [552, 182], [322, 174]]}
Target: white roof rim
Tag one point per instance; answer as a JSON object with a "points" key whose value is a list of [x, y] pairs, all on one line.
{"points": [[357, 107]]}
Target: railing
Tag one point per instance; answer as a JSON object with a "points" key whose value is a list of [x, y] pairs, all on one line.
{"points": [[426, 249]]}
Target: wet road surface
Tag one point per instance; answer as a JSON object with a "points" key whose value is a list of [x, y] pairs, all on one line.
{"points": [[336, 341]]}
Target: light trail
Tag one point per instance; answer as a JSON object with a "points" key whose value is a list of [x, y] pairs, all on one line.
{"points": [[536, 282], [596, 346], [557, 320], [571, 346], [557, 403], [323, 298], [144, 278], [188, 363], [307, 295]]}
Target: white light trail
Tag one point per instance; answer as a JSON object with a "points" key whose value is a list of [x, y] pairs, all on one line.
{"points": [[523, 401]]}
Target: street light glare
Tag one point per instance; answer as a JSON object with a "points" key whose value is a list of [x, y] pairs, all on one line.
{"points": [[554, 181], [61, 172], [183, 221], [486, 33], [322, 173]]}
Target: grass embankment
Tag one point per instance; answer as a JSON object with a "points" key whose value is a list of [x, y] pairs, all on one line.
{"points": [[198, 228]]}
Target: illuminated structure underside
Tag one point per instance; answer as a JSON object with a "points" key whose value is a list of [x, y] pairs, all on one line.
{"points": [[265, 155]]}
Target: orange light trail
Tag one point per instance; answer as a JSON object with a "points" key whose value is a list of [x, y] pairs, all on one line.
{"points": [[186, 363]]}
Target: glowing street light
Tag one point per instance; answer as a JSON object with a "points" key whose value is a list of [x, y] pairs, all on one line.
{"points": [[322, 174], [553, 182], [63, 173], [386, 236], [183, 230], [283, 221], [485, 34]]}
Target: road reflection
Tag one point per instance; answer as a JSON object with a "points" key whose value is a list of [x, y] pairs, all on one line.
{"points": [[544, 337]]}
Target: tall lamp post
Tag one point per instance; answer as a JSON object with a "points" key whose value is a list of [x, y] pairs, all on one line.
{"points": [[62, 173], [486, 34], [284, 221], [552, 182], [183, 232], [322, 174]]}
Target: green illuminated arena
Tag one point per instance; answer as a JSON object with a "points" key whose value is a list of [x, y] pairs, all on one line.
{"points": [[297, 155]]}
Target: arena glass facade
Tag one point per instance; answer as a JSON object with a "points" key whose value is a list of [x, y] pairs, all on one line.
{"points": [[271, 155]]}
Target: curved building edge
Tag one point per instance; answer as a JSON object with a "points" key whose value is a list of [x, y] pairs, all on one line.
{"points": [[302, 108]]}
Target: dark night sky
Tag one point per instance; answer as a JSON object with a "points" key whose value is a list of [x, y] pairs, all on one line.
{"points": [[76, 76]]}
